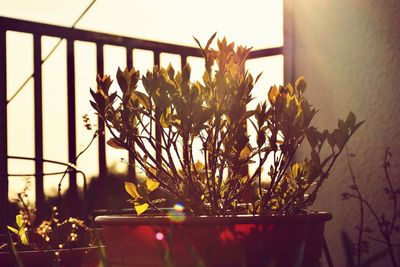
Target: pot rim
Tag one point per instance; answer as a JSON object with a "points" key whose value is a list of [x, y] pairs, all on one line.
{"points": [[177, 218]]}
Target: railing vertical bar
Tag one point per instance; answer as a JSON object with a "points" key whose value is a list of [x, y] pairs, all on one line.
{"points": [[4, 204], [183, 60], [102, 137], [129, 57], [156, 57], [73, 190], [38, 99], [157, 116], [131, 168]]}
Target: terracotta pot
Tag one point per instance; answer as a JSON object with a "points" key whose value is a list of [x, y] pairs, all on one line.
{"points": [[275, 240], [75, 257]]}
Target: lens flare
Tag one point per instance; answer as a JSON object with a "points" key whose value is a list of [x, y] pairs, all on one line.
{"points": [[179, 207], [159, 236], [177, 214]]}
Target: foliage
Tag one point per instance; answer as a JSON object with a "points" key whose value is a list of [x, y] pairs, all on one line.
{"points": [[54, 233], [191, 137]]}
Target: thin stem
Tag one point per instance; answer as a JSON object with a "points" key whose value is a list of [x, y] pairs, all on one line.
{"points": [[70, 166], [140, 160]]}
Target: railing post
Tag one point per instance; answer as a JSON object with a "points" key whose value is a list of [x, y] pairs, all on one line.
{"points": [[37, 59], [72, 190], [183, 61], [101, 129], [131, 167], [4, 204], [157, 116]]}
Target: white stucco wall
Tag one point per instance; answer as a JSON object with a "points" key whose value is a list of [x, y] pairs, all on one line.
{"points": [[349, 52]]}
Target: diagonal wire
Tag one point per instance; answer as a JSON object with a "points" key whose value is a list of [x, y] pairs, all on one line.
{"points": [[51, 52]]}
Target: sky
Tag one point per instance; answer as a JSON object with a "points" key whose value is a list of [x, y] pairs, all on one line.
{"points": [[253, 23]]}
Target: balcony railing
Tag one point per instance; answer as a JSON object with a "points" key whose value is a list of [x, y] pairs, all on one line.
{"points": [[71, 35]]}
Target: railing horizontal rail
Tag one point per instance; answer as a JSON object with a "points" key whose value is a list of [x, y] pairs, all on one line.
{"points": [[111, 39]]}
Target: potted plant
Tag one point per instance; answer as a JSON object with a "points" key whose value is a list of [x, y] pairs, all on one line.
{"points": [[190, 138], [52, 242]]}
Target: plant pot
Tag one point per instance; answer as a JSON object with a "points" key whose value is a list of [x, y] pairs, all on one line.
{"points": [[243, 240], [74, 257]]}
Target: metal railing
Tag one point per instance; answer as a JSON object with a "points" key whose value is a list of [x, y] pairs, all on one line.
{"points": [[71, 35]]}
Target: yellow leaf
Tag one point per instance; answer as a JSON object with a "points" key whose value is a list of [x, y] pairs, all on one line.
{"points": [[300, 84], [290, 88], [19, 220], [245, 152], [132, 190], [163, 121], [12, 229], [244, 179], [151, 184], [199, 166], [23, 236], [151, 170], [272, 93], [140, 208]]}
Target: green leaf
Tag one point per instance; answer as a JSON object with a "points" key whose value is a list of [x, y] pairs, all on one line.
{"points": [[146, 83], [94, 105], [247, 114], [186, 73], [122, 80], [171, 71], [201, 48], [133, 77], [210, 40], [258, 77]]}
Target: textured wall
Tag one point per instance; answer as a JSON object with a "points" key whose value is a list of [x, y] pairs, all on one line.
{"points": [[349, 52]]}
